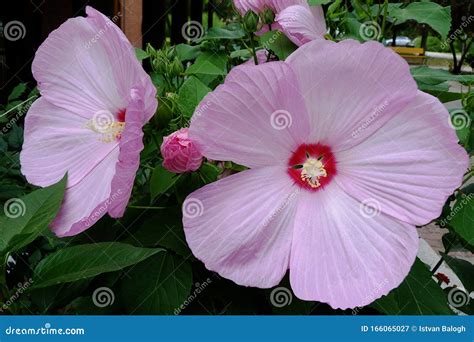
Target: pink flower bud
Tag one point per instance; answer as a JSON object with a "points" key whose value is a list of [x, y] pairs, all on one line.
{"points": [[179, 153]]}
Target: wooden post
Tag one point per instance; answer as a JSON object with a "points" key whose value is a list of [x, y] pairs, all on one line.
{"points": [[131, 15], [180, 17]]}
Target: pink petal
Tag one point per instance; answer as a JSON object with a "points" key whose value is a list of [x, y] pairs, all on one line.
{"points": [[344, 256], [255, 118], [410, 166], [87, 201], [302, 24], [57, 141], [87, 65], [246, 5], [351, 89], [131, 144], [242, 225]]}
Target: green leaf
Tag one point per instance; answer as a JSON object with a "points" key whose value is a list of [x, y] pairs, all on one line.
{"points": [[209, 173], [223, 33], [441, 91], [318, 2], [29, 216], [463, 269], [161, 181], [15, 137], [17, 92], [190, 94], [164, 229], [159, 285], [141, 54], [209, 63], [418, 294], [432, 76], [430, 13], [461, 218], [278, 43], [86, 261], [187, 52]]}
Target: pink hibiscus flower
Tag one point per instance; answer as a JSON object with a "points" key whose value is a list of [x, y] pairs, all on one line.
{"points": [[299, 21], [95, 99], [346, 157]]}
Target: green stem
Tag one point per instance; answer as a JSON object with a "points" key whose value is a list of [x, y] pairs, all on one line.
{"points": [[146, 207], [252, 45], [440, 262]]}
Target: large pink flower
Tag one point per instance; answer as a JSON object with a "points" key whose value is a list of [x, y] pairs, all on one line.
{"points": [[299, 21], [88, 122], [346, 157]]}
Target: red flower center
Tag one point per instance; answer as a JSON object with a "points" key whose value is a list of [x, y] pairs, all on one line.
{"points": [[312, 166], [121, 115]]}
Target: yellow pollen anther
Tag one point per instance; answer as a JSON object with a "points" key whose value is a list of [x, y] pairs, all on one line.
{"points": [[312, 171], [109, 131]]}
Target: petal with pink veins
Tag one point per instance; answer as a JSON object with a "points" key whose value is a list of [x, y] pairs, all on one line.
{"points": [[57, 141], [87, 201], [348, 85], [255, 118], [410, 166], [242, 225], [87, 65], [302, 24], [344, 255]]}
